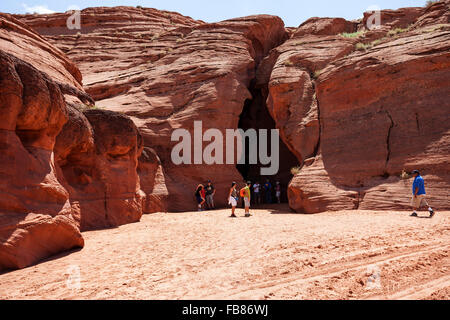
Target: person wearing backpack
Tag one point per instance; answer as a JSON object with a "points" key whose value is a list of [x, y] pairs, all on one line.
{"points": [[245, 194]]}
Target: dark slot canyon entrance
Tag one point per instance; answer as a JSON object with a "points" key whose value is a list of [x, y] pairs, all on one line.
{"points": [[256, 116]]}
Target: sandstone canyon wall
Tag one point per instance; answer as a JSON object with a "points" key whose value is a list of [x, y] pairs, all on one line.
{"points": [[52, 153], [168, 71], [354, 108], [374, 105]]}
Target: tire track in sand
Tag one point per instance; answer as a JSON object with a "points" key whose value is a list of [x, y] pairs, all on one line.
{"points": [[359, 264]]}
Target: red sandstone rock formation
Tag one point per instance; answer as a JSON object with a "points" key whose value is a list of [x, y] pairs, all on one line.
{"points": [[172, 71], [152, 180], [346, 103], [35, 215], [381, 110], [97, 151], [60, 169]]}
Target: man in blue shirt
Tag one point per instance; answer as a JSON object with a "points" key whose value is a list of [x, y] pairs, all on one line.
{"points": [[418, 190], [268, 191]]}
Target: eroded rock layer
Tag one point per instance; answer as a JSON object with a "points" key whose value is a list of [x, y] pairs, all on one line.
{"points": [[168, 71], [61, 169], [354, 106], [35, 214], [359, 108]]}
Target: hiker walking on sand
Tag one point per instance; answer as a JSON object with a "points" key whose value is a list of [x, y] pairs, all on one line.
{"points": [[210, 192], [233, 198], [245, 194], [200, 196], [278, 191], [418, 189]]}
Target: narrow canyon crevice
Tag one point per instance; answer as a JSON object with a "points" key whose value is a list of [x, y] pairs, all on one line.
{"points": [[316, 100], [255, 115], [388, 142]]}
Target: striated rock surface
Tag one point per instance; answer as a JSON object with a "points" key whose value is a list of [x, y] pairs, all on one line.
{"points": [[354, 107], [60, 169], [382, 109], [152, 179], [97, 152], [35, 214], [287, 76], [169, 71]]}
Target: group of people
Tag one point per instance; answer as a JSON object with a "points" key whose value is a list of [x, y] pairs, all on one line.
{"points": [[256, 194], [264, 193], [205, 195]]}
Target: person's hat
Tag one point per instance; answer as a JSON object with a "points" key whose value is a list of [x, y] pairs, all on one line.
{"points": [[415, 171], [249, 182]]}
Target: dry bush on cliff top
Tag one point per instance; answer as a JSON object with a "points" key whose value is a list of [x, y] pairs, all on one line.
{"points": [[353, 34], [295, 170]]}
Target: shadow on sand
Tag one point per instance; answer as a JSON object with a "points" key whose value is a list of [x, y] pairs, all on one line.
{"points": [[422, 217], [53, 257]]}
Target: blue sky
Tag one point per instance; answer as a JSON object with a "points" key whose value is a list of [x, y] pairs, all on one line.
{"points": [[293, 12]]}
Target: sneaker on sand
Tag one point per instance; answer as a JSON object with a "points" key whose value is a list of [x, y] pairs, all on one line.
{"points": [[233, 216], [431, 213], [414, 214], [248, 215]]}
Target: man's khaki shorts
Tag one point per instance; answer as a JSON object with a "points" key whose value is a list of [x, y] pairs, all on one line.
{"points": [[417, 200], [247, 202]]}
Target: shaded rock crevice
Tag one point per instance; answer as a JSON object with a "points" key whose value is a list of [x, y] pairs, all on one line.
{"points": [[256, 115], [417, 123], [388, 141]]}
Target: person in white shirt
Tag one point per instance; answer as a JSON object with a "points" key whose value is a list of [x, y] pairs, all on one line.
{"points": [[257, 192]]}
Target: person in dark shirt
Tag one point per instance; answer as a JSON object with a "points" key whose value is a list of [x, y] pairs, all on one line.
{"points": [[268, 191], [200, 196], [419, 194], [210, 192]]}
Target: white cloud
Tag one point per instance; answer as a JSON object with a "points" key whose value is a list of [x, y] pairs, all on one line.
{"points": [[73, 7], [40, 9]]}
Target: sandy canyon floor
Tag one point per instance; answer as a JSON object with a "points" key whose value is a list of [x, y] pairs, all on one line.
{"points": [[272, 255]]}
